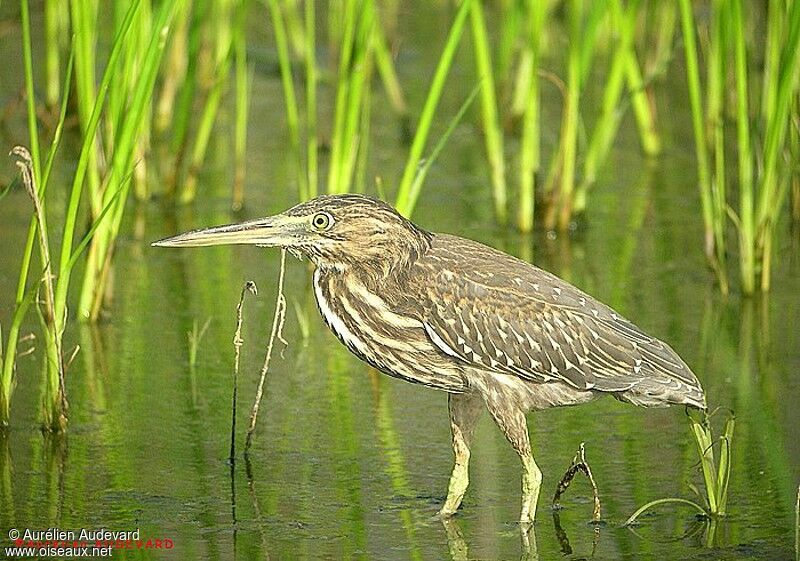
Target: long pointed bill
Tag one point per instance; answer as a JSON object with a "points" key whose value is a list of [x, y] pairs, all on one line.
{"points": [[272, 231]]}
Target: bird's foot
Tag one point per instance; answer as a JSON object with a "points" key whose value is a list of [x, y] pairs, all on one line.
{"points": [[526, 517], [459, 481], [446, 511]]}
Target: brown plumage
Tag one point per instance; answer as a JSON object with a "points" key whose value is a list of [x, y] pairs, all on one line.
{"points": [[456, 315]]}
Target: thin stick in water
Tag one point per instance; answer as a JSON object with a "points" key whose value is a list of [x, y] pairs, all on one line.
{"points": [[59, 405], [579, 463], [251, 287], [277, 328], [797, 526]]}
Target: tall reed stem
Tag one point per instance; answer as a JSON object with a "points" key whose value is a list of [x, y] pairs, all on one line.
{"points": [[408, 192], [243, 82], [121, 167], [353, 77], [569, 128], [746, 214], [493, 135], [312, 165], [290, 98], [713, 218], [530, 156], [54, 403]]}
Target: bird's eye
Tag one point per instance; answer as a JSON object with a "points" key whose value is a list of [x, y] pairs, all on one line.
{"points": [[322, 221]]}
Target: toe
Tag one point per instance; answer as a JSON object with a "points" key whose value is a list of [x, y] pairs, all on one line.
{"points": [[445, 512]]}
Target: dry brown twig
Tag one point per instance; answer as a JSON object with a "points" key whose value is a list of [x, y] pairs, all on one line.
{"points": [[251, 287], [579, 464], [277, 330], [25, 164]]}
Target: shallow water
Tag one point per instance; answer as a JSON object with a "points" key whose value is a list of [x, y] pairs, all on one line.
{"points": [[348, 463]]}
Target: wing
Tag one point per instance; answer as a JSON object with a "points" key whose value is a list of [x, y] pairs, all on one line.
{"points": [[496, 313]]}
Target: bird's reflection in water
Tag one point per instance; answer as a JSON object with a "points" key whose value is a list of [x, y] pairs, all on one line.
{"points": [[459, 547]]}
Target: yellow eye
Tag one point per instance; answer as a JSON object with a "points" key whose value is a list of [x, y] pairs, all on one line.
{"points": [[322, 221]]}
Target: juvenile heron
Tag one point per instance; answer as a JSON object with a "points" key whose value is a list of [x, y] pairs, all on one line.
{"points": [[453, 314]]}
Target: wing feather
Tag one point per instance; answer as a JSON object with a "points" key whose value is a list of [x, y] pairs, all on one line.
{"points": [[509, 317]]}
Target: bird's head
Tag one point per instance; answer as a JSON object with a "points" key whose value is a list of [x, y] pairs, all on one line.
{"points": [[334, 231]]}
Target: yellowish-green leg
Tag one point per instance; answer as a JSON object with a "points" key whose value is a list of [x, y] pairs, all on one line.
{"points": [[465, 409], [511, 421], [531, 484]]}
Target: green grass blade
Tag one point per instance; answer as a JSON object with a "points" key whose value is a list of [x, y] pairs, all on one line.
{"points": [[122, 161], [724, 472], [530, 145], [243, 89], [89, 235], [81, 170], [351, 143], [711, 220], [571, 116], [639, 511], [610, 114], [30, 97], [23, 300], [408, 191], [289, 94], [746, 211], [642, 109], [388, 74], [339, 145], [428, 162], [312, 166], [786, 87], [52, 24], [492, 132], [702, 436]]}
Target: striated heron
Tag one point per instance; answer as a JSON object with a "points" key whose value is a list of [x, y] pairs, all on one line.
{"points": [[452, 314]]}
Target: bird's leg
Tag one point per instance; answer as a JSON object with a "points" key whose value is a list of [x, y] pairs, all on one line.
{"points": [[531, 484], [465, 409], [511, 421]]}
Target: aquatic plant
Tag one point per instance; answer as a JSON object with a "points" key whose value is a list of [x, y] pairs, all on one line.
{"points": [[357, 40], [356, 61], [222, 15], [527, 89], [290, 97], [763, 119], [624, 70], [35, 180], [54, 397], [408, 190], [565, 192], [492, 133], [312, 166], [244, 79], [106, 205], [122, 161], [716, 475]]}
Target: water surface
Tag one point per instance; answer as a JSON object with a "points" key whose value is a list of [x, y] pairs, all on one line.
{"points": [[348, 463]]}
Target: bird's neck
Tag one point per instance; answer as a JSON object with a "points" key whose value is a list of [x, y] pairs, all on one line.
{"points": [[375, 273], [377, 277], [379, 262]]}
